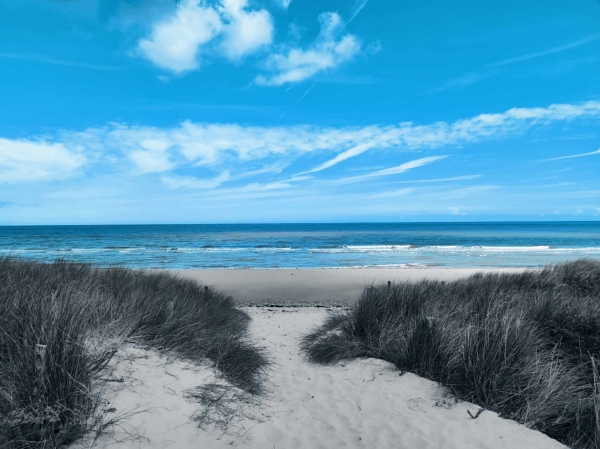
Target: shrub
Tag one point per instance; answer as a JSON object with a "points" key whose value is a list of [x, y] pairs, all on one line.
{"points": [[524, 345], [61, 323]]}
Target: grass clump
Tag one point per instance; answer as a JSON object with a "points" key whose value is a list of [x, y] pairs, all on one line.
{"points": [[525, 345], [61, 323]]}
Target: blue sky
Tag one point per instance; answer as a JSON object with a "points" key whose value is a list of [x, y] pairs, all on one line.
{"points": [[163, 111]]}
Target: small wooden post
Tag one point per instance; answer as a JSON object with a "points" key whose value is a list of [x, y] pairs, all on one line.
{"points": [[40, 358], [40, 367], [389, 285]]}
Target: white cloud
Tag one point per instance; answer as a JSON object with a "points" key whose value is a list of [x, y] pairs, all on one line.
{"points": [[453, 211], [29, 160], [573, 155], [255, 187], [402, 168], [246, 31], [146, 147], [190, 182], [152, 149], [294, 64], [151, 161], [354, 151], [174, 43]]}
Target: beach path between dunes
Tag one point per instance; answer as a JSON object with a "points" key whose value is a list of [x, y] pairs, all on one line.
{"points": [[317, 285], [357, 404]]}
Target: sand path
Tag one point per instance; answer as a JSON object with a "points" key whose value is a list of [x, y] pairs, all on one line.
{"points": [[361, 404], [364, 404]]}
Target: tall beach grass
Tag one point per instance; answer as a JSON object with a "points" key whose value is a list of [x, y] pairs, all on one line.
{"points": [[61, 323], [525, 345]]}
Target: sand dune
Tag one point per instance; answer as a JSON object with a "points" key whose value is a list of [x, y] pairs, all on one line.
{"points": [[360, 404]]}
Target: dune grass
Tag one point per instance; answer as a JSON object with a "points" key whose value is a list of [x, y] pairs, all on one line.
{"points": [[61, 323], [525, 345]]}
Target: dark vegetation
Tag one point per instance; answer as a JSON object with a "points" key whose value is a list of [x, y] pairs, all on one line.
{"points": [[61, 323], [525, 345]]}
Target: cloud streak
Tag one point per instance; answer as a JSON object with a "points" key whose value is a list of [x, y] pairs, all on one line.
{"points": [[402, 168], [540, 54], [46, 60], [573, 156], [454, 178], [494, 68]]}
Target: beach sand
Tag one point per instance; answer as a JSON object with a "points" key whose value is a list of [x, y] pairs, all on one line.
{"points": [[359, 404], [316, 286]]}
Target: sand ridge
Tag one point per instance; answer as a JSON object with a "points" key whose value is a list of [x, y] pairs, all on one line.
{"points": [[359, 404]]}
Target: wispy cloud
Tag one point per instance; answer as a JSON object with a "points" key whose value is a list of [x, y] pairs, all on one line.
{"points": [[492, 69], [454, 178], [573, 155], [463, 80], [293, 64], [190, 182], [275, 168], [47, 60], [304, 94], [474, 129], [549, 51], [213, 145], [358, 7], [257, 187], [391, 194], [402, 168], [355, 151]]}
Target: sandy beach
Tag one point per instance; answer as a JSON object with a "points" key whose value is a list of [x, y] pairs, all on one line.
{"points": [[316, 286], [359, 404]]}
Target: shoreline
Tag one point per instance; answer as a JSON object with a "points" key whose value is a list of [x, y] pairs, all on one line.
{"points": [[359, 267], [316, 285]]}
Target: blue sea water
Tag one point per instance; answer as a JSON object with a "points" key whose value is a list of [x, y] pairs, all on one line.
{"points": [[307, 245]]}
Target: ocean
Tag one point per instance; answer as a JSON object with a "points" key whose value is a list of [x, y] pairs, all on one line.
{"points": [[307, 245]]}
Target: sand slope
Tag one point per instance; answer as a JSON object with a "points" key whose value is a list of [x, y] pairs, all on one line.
{"points": [[361, 404]]}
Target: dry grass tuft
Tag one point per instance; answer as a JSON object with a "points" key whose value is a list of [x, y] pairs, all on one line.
{"points": [[61, 323], [524, 345]]}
